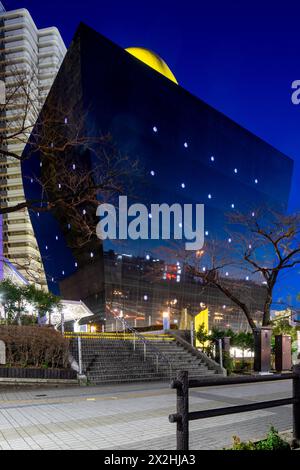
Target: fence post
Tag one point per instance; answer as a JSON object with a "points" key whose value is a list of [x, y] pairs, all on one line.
{"points": [[145, 351], [134, 341], [296, 405], [79, 355], [182, 435]]}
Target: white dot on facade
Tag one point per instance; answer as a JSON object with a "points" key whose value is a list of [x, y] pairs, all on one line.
{"points": [[232, 206], [152, 173], [186, 145], [212, 158], [182, 185], [155, 129], [235, 170], [209, 196], [255, 181]]}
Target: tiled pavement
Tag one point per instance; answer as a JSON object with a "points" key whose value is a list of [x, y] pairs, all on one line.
{"points": [[132, 416]]}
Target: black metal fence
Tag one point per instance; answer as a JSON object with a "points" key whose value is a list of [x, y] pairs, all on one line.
{"points": [[182, 417]]}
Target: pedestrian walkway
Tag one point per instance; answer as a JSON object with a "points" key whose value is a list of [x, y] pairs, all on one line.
{"points": [[132, 416]]}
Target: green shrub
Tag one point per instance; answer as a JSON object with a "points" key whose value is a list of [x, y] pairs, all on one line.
{"points": [[228, 363], [272, 442]]}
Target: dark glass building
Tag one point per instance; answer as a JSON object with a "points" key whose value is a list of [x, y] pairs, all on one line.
{"points": [[188, 152]]}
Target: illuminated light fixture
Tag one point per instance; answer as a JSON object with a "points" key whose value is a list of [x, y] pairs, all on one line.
{"points": [[250, 246], [166, 314], [212, 158], [253, 214], [84, 211], [178, 279], [76, 265], [74, 166], [145, 297], [180, 225], [153, 60], [63, 273], [204, 269], [209, 196], [152, 173], [247, 278], [66, 120], [46, 247], [232, 206], [56, 237], [52, 279], [182, 185], [235, 170], [155, 129], [177, 264], [38, 214], [147, 257], [256, 181], [150, 216], [227, 273], [69, 226], [185, 145], [224, 306], [41, 164], [206, 233], [31, 181], [229, 240], [92, 255], [59, 186]]}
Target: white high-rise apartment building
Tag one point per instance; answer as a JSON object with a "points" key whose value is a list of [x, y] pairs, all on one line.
{"points": [[34, 56]]}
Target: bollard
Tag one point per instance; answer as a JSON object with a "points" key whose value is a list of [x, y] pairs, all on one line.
{"points": [[296, 405], [183, 411], [79, 355]]}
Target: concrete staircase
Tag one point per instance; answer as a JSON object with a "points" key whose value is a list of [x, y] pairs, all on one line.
{"points": [[118, 357]]}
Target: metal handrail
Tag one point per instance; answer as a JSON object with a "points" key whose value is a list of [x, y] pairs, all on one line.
{"points": [[146, 343]]}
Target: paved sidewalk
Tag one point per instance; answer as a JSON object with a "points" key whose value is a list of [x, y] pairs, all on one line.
{"points": [[132, 416]]}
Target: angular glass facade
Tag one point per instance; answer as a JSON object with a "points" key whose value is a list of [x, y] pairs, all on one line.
{"points": [[188, 153]]}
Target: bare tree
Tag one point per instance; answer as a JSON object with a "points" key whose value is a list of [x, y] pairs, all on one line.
{"points": [[260, 247], [72, 169]]}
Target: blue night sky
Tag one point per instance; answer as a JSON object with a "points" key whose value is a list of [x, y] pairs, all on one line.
{"points": [[240, 57]]}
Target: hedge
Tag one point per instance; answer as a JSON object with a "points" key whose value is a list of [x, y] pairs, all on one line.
{"points": [[34, 346]]}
